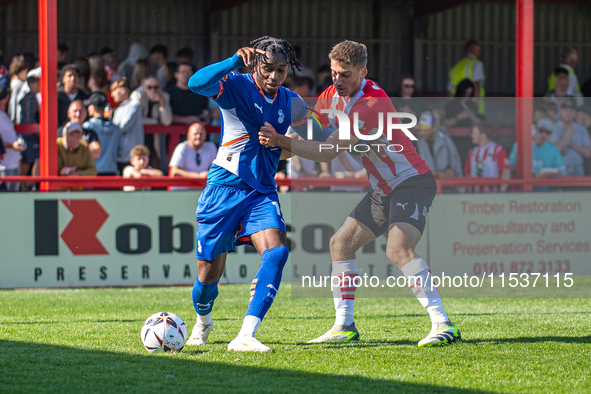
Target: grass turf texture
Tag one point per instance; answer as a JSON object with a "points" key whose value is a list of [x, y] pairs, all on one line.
{"points": [[88, 341]]}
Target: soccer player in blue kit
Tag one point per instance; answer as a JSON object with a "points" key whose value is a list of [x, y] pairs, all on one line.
{"points": [[240, 203]]}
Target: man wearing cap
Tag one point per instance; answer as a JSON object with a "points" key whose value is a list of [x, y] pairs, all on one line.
{"points": [[28, 112], [74, 157], [545, 155], [437, 148], [572, 139], [108, 133], [11, 159]]}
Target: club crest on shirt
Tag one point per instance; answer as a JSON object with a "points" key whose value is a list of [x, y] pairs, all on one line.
{"points": [[281, 116]]}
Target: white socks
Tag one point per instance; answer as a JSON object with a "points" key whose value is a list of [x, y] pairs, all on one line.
{"points": [[344, 294], [204, 320], [427, 294], [249, 326]]}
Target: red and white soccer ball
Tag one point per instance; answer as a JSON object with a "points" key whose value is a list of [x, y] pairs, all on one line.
{"points": [[164, 332]]}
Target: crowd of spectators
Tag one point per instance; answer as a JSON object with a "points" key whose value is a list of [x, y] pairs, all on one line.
{"points": [[103, 106]]}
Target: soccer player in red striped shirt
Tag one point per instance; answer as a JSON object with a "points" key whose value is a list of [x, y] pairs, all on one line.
{"points": [[403, 189]]}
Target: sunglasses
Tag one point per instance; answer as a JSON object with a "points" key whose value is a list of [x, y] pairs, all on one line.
{"points": [[409, 86], [544, 131], [152, 87], [198, 159]]}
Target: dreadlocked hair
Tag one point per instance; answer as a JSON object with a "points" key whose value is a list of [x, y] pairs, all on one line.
{"points": [[276, 45]]}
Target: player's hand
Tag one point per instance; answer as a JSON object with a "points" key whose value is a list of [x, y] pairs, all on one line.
{"points": [[248, 54], [268, 136]]}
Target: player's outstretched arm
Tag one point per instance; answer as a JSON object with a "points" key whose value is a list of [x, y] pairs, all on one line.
{"points": [[312, 150], [205, 81]]}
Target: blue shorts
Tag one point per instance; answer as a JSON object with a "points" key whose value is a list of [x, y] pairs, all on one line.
{"points": [[226, 217]]}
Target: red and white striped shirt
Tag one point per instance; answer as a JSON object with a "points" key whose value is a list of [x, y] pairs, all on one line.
{"points": [[486, 161], [385, 171]]}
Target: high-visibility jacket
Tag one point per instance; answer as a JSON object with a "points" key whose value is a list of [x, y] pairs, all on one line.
{"points": [[464, 69], [571, 75]]}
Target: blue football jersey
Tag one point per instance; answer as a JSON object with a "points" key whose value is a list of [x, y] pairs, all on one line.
{"points": [[244, 108]]}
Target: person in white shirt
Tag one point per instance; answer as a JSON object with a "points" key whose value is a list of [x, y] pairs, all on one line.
{"points": [[193, 157], [11, 159]]}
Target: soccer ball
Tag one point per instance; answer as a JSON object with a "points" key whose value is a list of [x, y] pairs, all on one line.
{"points": [[164, 332]]}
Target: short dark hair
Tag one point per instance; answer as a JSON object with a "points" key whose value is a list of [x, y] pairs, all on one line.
{"points": [[185, 52], [69, 67], [470, 44], [560, 70], [159, 48], [486, 128], [303, 81], [62, 47]]}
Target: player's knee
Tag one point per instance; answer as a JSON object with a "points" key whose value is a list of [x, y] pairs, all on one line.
{"points": [[399, 256], [277, 255], [338, 244]]}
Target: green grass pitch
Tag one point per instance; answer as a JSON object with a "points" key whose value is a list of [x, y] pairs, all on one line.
{"points": [[87, 340]]}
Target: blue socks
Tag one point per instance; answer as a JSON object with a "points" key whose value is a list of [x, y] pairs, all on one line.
{"points": [[203, 297], [266, 282]]}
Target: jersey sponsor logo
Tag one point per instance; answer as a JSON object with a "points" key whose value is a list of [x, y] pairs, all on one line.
{"points": [[281, 116], [258, 107], [401, 205]]}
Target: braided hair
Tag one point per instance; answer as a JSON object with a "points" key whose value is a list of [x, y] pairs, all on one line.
{"points": [[276, 45]]}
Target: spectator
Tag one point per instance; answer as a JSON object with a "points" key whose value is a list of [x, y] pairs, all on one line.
{"points": [[323, 77], [437, 148], [74, 157], [63, 52], [193, 157], [572, 139], [552, 109], [99, 82], [185, 55], [546, 157], [559, 93], [141, 71], [158, 55], [17, 72], [140, 158], [154, 103], [136, 52], [81, 62], [187, 107], [461, 111], [108, 133], [4, 79], [11, 159], [155, 108], [169, 71], [129, 119], [95, 63], [406, 94], [29, 113], [303, 86], [111, 63], [570, 60], [68, 92], [469, 67], [77, 113], [487, 159], [584, 117]]}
